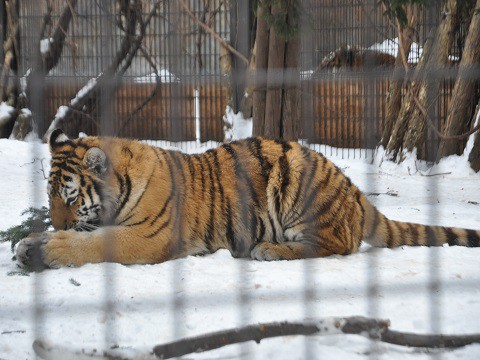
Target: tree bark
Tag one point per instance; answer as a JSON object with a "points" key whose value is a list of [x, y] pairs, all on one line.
{"points": [[276, 63], [438, 59], [129, 46], [474, 156], [394, 101], [291, 98], [261, 63], [460, 108], [395, 143], [9, 79], [410, 129], [41, 67]]}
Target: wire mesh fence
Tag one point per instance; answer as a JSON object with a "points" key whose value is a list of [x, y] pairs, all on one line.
{"points": [[174, 89]]}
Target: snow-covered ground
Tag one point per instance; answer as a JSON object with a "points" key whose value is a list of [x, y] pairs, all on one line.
{"points": [[100, 306]]}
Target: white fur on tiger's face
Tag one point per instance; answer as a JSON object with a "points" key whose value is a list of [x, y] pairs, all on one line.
{"points": [[124, 201]]}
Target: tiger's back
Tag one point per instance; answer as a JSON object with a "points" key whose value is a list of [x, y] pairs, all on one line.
{"points": [[257, 197]]}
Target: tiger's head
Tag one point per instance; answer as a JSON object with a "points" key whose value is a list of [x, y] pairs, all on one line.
{"points": [[77, 189]]}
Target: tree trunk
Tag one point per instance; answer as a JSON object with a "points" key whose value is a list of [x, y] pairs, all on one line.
{"points": [[460, 108], [395, 92], [474, 156], [395, 143], [261, 62], [276, 96], [276, 63], [43, 63], [9, 79], [410, 129], [417, 131], [291, 98]]}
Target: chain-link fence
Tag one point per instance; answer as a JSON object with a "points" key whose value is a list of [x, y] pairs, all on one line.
{"points": [[165, 78]]}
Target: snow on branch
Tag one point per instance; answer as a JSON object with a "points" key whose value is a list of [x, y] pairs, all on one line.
{"points": [[134, 33], [51, 49], [373, 329]]}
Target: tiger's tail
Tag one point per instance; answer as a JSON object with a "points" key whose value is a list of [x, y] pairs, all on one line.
{"points": [[383, 232]]}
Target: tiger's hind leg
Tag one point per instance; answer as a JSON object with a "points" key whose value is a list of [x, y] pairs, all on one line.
{"points": [[311, 246]]}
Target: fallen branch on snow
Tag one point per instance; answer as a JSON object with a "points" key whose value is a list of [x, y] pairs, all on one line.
{"points": [[370, 328]]}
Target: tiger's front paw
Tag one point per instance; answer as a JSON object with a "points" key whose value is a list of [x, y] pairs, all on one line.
{"points": [[30, 253], [46, 250], [266, 251]]}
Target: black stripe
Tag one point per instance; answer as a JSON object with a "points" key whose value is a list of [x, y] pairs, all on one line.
{"points": [[144, 220], [230, 232], [176, 159], [285, 173], [163, 226], [323, 208], [311, 197], [389, 232], [414, 233], [89, 193], [141, 196], [191, 169], [211, 222], [66, 153], [274, 239], [253, 225], [63, 165], [255, 147], [126, 195], [172, 184], [162, 211], [473, 238], [79, 143], [307, 155], [241, 173], [451, 236], [359, 202], [262, 230], [127, 151], [202, 173], [132, 214], [431, 238], [376, 218], [121, 184], [217, 175], [196, 229], [285, 145]]}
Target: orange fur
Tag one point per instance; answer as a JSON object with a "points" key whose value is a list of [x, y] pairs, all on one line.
{"points": [[258, 198]]}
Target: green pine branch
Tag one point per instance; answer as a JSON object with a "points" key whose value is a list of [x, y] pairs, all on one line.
{"points": [[37, 221]]}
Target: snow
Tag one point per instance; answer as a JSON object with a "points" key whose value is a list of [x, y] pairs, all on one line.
{"points": [[164, 75], [98, 306], [237, 127], [5, 112], [390, 46], [45, 45]]}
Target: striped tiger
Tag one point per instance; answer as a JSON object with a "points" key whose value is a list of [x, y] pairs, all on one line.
{"points": [[124, 201]]}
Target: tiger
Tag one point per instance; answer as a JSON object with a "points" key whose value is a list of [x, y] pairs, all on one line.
{"points": [[124, 201]]}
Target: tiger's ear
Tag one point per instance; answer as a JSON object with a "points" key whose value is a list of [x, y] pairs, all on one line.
{"points": [[57, 138], [96, 161]]}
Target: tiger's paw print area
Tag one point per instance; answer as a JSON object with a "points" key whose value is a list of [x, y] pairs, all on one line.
{"points": [[265, 251], [30, 253]]}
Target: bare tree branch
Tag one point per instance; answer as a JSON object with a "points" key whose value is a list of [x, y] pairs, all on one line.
{"points": [[130, 44], [212, 32], [370, 328], [373, 329], [48, 60], [422, 108]]}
